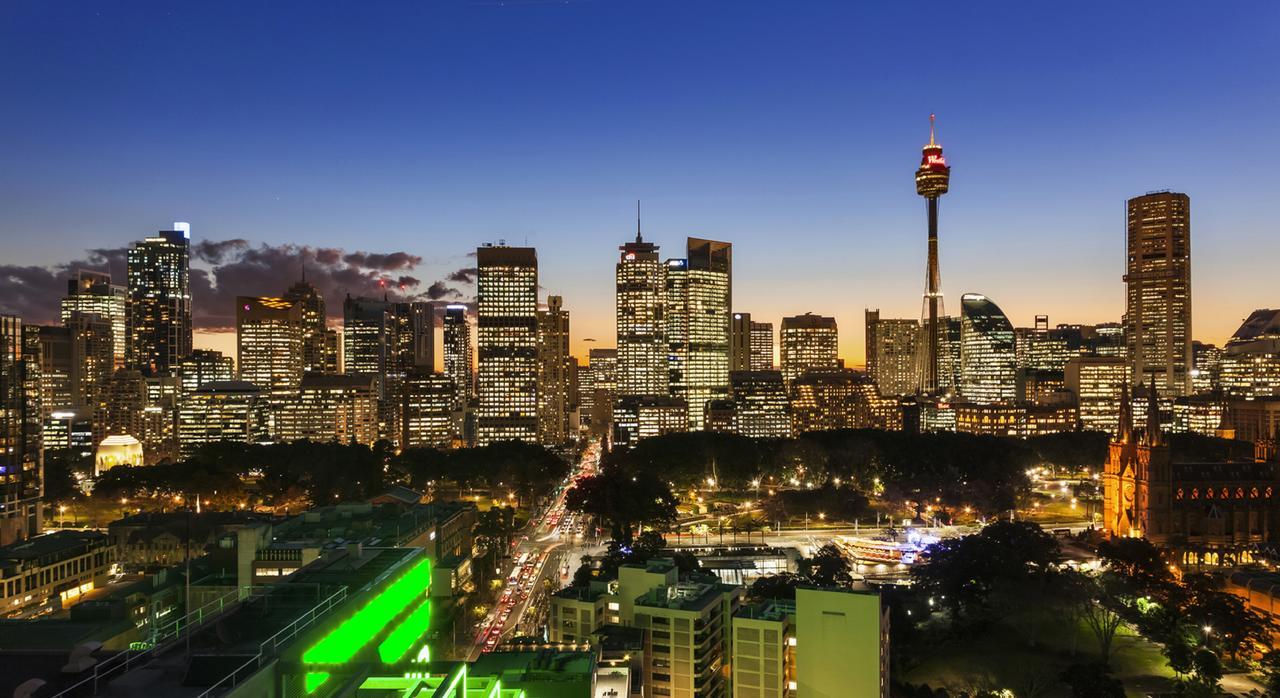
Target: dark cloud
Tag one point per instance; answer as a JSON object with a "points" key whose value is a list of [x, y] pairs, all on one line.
{"points": [[438, 291], [32, 292], [225, 269], [214, 251], [383, 262], [465, 275]]}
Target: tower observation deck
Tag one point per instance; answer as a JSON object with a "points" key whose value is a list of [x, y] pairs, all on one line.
{"points": [[932, 180]]}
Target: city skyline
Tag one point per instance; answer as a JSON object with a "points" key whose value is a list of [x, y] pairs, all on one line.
{"points": [[826, 169]]}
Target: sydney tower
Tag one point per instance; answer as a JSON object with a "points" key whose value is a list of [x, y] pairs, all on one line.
{"points": [[931, 182]]}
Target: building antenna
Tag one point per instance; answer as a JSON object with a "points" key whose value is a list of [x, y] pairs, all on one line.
{"points": [[931, 140], [638, 240]]}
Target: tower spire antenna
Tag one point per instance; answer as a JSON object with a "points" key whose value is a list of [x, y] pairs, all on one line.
{"points": [[931, 120], [638, 239]]}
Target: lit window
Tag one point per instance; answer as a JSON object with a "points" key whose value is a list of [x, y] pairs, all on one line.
{"points": [[791, 641]]}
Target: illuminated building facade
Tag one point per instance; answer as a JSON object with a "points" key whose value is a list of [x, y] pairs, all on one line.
{"points": [[341, 408], [740, 342], [553, 372], [1198, 414], [893, 354], [988, 362], [319, 343], [640, 307], [761, 407], [761, 346], [1158, 291], [764, 650], [459, 359], [53, 571], [92, 293], [842, 644], [1211, 513], [69, 430], [507, 332], [231, 411], [599, 391], [366, 337], [205, 366], [699, 298], [932, 181], [1250, 364], [21, 457], [1254, 420], [1097, 382], [429, 410], [840, 399], [639, 418], [76, 360], [269, 344], [116, 451], [809, 343], [1206, 368], [159, 309]]}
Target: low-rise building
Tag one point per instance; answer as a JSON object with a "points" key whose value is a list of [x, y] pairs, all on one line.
{"points": [[50, 572]]}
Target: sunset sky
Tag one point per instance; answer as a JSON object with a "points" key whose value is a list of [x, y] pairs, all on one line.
{"points": [[413, 132]]}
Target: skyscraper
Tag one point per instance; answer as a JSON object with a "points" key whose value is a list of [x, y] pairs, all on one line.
{"points": [[341, 408], [761, 407], [269, 345], [319, 355], [507, 344], [988, 362], [553, 377], [809, 342], [458, 357], [232, 411], [159, 314], [699, 296], [92, 293], [640, 311], [366, 331], [761, 346], [932, 180], [1158, 291], [205, 366], [428, 410], [412, 337], [21, 462], [740, 342], [893, 352], [599, 391]]}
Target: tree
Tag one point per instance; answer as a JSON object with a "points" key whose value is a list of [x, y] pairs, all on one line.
{"points": [[1092, 681], [777, 586], [1271, 672], [623, 501], [1092, 600], [828, 567], [964, 573]]}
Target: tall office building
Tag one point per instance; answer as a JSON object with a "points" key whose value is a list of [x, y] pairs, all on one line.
{"points": [[507, 344], [599, 392], [1158, 291], [740, 342], [553, 376], [159, 315], [760, 405], [340, 408], [21, 459], [428, 407], [640, 305], [988, 361], [932, 181], [893, 351], [761, 346], [269, 345], [366, 334], [76, 360], [840, 399], [809, 343], [92, 293], [699, 296], [319, 350], [204, 366], [231, 411], [458, 356], [412, 337]]}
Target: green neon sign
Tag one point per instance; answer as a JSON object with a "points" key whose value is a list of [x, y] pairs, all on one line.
{"points": [[405, 635], [356, 632]]}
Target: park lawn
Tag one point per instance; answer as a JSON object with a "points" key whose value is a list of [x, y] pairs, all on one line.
{"points": [[1001, 657]]}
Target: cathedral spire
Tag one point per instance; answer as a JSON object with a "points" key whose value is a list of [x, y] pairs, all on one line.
{"points": [[1124, 432]]}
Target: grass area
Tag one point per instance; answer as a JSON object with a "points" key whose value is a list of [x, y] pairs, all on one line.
{"points": [[1029, 659]]}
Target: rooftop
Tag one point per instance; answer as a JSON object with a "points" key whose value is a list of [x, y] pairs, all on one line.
{"points": [[50, 544]]}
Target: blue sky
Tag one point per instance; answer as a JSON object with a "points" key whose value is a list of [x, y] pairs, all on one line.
{"points": [[791, 129]]}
